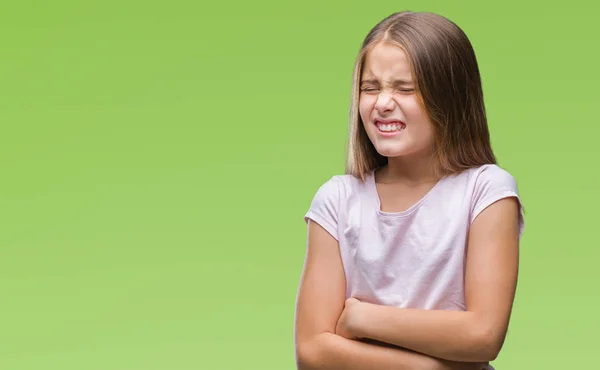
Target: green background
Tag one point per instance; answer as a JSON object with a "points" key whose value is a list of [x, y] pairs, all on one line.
{"points": [[158, 158]]}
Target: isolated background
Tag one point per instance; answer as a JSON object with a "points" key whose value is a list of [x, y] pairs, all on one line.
{"points": [[157, 160]]}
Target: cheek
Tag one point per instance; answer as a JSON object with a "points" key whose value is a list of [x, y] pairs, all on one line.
{"points": [[419, 118], [417, 115], [414, 111], [426, 130], [365, 106]]}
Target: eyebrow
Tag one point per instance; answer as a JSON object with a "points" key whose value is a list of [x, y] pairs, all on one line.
{"points": [[395, 82]]}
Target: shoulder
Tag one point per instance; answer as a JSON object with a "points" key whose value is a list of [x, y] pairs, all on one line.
{"points": [[327, 204], [489, 184], [491, 175], [338, 187], [483, 180], [330, 189]]}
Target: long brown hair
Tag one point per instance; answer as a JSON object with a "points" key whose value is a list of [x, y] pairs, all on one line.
{"points": [[447, 83]]}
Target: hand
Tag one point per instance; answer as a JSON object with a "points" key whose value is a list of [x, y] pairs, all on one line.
{"points": [[347, 321]]}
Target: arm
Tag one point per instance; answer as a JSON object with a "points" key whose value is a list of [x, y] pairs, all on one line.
{"points": [[321, 298], [474, 335]]}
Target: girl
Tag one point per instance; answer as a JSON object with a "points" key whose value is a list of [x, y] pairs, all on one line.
{"points": [[412, 255]]}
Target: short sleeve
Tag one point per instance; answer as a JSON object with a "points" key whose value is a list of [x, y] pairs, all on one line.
{"points": [[493, 184], [324, 207]]}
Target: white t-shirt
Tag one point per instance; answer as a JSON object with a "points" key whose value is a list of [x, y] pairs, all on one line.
{"points": [[415, 258]]}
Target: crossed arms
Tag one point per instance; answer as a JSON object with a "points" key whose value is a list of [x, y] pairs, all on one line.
{"points": [[333, 333]]}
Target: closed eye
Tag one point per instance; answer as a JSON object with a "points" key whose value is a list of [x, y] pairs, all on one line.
{"points": [[372, 89]]}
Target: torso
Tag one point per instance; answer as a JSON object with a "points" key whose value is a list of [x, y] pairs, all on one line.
{"points": [[405, 245]]}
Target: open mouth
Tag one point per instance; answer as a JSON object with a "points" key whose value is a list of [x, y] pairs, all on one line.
{"points": [[390, 127]]}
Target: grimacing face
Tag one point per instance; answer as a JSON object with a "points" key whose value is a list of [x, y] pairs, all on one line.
{"points": [[389, 107]]}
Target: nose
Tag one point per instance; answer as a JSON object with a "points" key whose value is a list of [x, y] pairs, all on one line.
{"points": [[384, 102]]}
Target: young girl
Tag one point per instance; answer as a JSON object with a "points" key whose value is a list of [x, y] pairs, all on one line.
{"points": [[412, 255]]}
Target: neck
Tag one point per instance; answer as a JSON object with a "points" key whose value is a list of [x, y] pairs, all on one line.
{"points": [[410, 170]]}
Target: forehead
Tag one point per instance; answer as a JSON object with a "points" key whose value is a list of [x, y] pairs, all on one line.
{"points": [[386, 62]]}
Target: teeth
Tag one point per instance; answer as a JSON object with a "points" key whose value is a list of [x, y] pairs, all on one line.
{"points": [[390, 127]]}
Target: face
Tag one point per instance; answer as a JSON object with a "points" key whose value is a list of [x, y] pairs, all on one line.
{"points": [[394, 120]]}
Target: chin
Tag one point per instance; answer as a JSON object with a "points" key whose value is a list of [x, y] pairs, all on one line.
{"points": [[391, 151]]}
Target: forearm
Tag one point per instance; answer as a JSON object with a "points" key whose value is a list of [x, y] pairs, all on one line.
{"points": [[329, 351], [451, 335]]}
